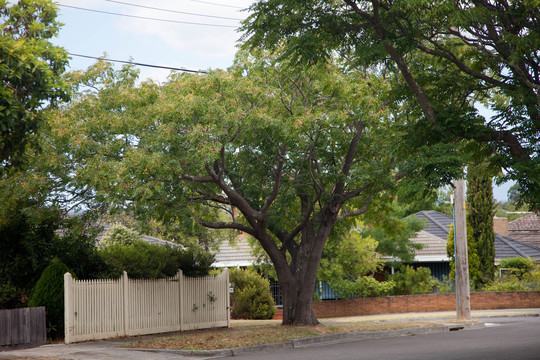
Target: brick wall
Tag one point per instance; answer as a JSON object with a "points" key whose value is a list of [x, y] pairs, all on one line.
{"points": [[425, 303]]}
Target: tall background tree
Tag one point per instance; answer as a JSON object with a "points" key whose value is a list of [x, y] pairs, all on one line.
{"points": [[480, 212], [448, 56]]}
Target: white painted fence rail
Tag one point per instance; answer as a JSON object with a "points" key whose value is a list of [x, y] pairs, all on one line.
{"points": [[102, 309]]}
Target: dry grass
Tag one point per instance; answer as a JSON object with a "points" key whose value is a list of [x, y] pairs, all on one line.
{"points": [[215, 339]]}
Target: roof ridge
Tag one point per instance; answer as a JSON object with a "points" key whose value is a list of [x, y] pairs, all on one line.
{"points": [[433, 220], [505, 240]]}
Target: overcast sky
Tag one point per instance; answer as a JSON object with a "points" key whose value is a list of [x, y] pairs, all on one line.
{"points": [[196, 35], [189, 34]]}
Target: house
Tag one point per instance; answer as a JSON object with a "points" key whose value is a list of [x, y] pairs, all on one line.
{"points": [[526, 229], [434, 236], [237, 254]]}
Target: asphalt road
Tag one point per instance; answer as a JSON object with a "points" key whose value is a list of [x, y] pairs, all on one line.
{"points": [[516, 338]]}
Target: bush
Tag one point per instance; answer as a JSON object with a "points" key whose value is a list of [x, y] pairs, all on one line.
{"points": [[511, 283], [142, 260], [49, 292], [410, 281], [11, 297], [251, 298], [365, 286], [519, 266], [118, 234]]}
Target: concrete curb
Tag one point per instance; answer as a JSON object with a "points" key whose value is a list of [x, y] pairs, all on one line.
{"points": [[332, 338]]}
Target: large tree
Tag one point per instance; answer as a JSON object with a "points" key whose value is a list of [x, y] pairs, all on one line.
{"points": [[31, 69], [450, 56], [289, 153]]}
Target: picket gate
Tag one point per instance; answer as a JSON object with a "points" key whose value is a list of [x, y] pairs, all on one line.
{"points": [[102, 309]]}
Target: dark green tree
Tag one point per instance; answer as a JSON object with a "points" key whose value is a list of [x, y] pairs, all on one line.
{"points": [[445, 56], [480, 212]]}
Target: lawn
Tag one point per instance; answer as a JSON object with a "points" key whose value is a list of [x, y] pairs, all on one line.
{"points": [[257, 334]]}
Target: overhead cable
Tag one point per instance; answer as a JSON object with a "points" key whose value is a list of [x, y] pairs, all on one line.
{"points": [[147, 18], [139, 64], [173, 11], [216, 4]]}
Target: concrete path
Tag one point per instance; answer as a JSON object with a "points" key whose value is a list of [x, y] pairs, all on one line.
{"points": [[99, 350]]}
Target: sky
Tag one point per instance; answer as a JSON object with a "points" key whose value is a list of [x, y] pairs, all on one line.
{"points": [[187, 34], [190, 34]]}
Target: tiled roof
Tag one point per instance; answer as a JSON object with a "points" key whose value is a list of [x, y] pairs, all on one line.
{"points": [[505, 247], [525, 223], [434, 246], [238, 254]]}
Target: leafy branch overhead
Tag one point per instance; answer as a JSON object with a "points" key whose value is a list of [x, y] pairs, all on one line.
{"points": [[447, 57]]}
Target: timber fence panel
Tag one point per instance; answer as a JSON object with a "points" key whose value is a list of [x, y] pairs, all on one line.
{"points": [[206, 302], [100, 309], [25, 327], [153, 306]]}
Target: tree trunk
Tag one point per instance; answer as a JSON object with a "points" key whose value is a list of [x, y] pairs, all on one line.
{"points": [[298, 280], [298, 299]]}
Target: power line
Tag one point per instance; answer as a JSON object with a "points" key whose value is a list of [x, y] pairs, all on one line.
{"points": [[216, 4], [173, 11], [146, 18], [139, 64]]}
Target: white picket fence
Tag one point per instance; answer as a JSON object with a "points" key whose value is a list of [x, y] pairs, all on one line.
{"points": [[102, 309]]}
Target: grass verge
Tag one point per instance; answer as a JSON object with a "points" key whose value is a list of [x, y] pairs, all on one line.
{"points": [[216, 339]]}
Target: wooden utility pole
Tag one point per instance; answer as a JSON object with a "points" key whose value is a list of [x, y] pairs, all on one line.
{"points": [[463, 296]]}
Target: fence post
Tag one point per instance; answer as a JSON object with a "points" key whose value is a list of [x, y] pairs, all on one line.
{"points": [[228, 304], [180, 277], [68, 308], [125, 299]]}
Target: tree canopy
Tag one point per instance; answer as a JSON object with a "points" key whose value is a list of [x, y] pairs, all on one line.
{"points": [[31, 69], [450, 56], [289, 154]]}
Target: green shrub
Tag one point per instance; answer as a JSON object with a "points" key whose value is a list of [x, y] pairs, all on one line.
{"points": [[49, 292], [519, 266], [251, 298], [142, 260], [410, 281], [11, 297], [512, 283], [118, 234], [365, 286]]}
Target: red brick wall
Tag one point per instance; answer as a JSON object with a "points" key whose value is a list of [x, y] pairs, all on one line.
{"points": [[425, 303]]}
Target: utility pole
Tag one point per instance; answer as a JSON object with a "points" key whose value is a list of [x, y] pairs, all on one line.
{"points": [[463, 296]]}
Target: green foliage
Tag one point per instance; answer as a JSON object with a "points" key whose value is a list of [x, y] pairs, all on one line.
{"points": [[142, 260], [11, 297], [28, 244], [442, 60], [396, 241], [518, 266], [409, 281], [511, 283], [31, 70], [251, 298], [365, 286], [480, 211], [119, 234], [49, 292], [523, 275], [475, 276], [349, 257]]}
